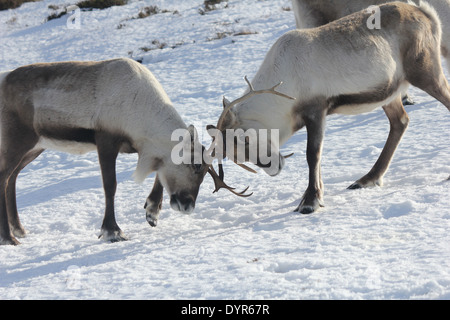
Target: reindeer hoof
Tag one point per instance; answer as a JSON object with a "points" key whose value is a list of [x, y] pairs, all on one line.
{"points": [[309, 205], [366, 182], [19, 232], [306, 210], [152, 217], [354, 186], [10, 241], [151, 221], [113, 236]]}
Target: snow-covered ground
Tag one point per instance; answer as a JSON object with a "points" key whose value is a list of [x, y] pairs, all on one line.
{"points": [[381, 243]]}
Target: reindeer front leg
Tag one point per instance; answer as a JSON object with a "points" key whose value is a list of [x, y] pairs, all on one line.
{"points": [[313, 196], [108, 148], [154, 202]]}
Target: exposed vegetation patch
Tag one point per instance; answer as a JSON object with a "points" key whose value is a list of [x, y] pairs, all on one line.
{"points": [[152, 10], [85, 5], [221, 35], [146, 12], [100, 4], [210, 5], [11, 4], [156, 44], [57, 12]]}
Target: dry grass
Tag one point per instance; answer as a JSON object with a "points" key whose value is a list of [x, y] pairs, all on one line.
{"points": [[11, 4], [100, 4], [84, 5], [210, 5]]}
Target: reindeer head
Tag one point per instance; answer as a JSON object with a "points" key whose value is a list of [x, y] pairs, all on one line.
{"points": [[182, 175], [182, 180], [247, 143]]}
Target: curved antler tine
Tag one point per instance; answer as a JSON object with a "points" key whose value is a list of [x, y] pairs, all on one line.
{"points": [[243, 166], [241, 194], [277, 85], [219, 184], [245, 195], [249, 84]]}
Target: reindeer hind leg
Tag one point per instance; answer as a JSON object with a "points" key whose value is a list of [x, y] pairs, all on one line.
{"points": [[17, 141], [427, 74], [439, 89], [399, 120], [11, 203]]}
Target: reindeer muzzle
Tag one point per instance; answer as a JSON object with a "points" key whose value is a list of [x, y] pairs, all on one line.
{"points": [[182, 203]]}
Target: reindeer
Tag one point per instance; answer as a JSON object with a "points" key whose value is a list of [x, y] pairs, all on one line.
{"points": [[340, 68], [315, 13], [114, 106]]}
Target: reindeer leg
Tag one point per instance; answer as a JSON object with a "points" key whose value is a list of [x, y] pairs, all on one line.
{"points": [[108, 148], [428, 75], [11, 203], [154, 202], [440, 90], [313, 196], [12, 154], [5, 232], [399, 120]]}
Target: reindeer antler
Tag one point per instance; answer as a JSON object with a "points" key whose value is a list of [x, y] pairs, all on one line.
{"points": [[249, 94], [219, 183], [218, 178]]}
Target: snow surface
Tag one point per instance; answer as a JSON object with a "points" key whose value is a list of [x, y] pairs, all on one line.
{"points": [[391, 242]]}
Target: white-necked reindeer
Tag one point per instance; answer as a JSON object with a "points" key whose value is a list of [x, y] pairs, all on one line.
{"points": [[315, 13], [342, 67], [110, 106]]}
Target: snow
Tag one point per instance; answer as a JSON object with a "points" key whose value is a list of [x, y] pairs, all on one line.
{"points": [[389, 242]]}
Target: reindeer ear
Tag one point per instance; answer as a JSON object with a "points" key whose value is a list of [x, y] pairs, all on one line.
{"points": [[229, 120], [193, 132], [211, 129], [225, 102], [190, 138]]}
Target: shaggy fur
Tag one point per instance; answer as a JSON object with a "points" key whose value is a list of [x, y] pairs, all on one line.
{"points": [[314, 13]]}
